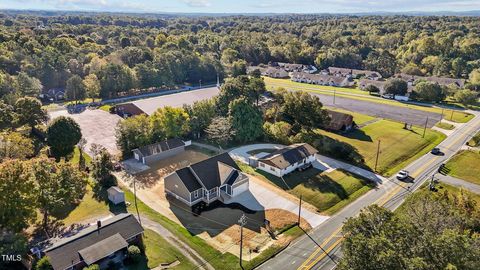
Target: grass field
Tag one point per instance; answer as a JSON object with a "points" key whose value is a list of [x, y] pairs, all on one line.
{"points": [[398, 146], [105, 107], [475, 141], [328, 192], [444, 125], [464, 165], [452, 115], [158, 251]]}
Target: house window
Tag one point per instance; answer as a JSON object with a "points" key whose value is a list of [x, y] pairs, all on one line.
{"points": [[262, 165], [196, 194], [272, 169]]}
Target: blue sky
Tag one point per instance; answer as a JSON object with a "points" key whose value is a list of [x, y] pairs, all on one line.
{"points": [[245, 6]]}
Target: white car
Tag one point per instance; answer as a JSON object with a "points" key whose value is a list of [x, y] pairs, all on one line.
{"points": [[402, 175]]}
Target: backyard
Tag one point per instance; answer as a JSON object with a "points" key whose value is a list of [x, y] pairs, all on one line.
{"points": [[464, 165], [327, 191], [398, 146]]}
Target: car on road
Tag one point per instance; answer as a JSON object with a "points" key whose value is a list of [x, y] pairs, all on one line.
{"points": [[388, 96], [402, 175], [436, 151]]}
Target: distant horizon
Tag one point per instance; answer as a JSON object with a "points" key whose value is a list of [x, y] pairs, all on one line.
{"points": [[247, 6]]}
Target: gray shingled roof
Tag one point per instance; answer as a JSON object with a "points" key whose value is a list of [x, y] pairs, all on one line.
{"points": [[289, 155], [65, 253], [156, 148], [102, 249], [207, 172]]}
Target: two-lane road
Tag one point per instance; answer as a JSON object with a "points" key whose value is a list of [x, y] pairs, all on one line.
{"points": [[321, 249]]}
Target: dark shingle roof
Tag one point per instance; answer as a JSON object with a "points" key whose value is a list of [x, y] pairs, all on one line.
{"points": [[65, 253], [338, 120], [156, 148], [102, 249], [287, 156], [188, 179], [208, 172]]}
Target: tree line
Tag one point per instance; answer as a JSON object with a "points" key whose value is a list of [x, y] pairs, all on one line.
{"points": [[99, 55]]}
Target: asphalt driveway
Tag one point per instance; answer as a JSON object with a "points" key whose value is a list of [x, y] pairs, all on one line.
{"points": [[150, 105], [97, 127], [379, 110]]}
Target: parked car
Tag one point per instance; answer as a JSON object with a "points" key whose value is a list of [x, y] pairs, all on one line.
{"points": [[388, 96], [402, 175], [436, 151]]}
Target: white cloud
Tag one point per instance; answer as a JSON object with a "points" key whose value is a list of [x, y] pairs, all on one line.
{"points": [[197, 3]]}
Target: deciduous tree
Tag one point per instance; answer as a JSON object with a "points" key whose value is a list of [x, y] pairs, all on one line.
{"points": [[63, 133], [247, 120]]}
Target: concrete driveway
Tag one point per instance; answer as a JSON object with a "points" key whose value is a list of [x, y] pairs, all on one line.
{"points": [[241, 153], [97, 127], [262, 196]]}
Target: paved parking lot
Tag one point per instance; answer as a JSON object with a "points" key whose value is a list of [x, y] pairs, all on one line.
{"points": [[150, 105], [97, 127], [396, 113]]}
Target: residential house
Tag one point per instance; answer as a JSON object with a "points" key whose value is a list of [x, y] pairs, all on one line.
{"points": [[287, 159], [364, 83], [154, 152], [412, 80], [354, 73], [295, 67], [340, 122], [321, 79], [216, 178], [128, 110], [101, 244], [278, 73], [53, 94]]}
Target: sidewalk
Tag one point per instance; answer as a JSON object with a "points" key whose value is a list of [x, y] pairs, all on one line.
{"points": [[459, 183], [326, 163]]}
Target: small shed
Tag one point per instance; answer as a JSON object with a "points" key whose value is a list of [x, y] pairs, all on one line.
{"points": [[116, 195]]}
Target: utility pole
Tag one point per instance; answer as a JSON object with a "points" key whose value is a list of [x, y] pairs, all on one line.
{"points": [[442, 113], [200, 81], [451, 116], [378, 153], [242, 221], [135, 197], [299, 210], [425, 128], [334, 94]]}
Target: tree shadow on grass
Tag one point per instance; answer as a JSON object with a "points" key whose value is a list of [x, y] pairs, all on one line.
{"points": [[358, 134]]}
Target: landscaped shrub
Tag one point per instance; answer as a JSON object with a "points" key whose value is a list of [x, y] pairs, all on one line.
{"points": [[44, 264], [134, 254], [92, 267]]}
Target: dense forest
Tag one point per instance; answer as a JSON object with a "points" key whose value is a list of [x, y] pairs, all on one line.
{"points": [[113, 54]]}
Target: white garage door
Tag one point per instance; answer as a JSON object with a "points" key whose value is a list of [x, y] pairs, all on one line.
{"points": [[239, 189]]}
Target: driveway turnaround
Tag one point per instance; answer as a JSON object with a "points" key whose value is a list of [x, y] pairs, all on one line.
{"points": [[400, 114], [97, 127], [261, 196], [150, 105], [241, 153]]}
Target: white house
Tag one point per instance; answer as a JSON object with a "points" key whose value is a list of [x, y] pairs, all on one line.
{"points": [[288, 159]]}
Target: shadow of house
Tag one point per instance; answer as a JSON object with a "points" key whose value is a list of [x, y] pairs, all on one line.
{"points": [[217, 217], [358, 134]]}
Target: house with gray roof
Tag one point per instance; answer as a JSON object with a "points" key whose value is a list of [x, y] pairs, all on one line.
{"points": [[412, 80], [321, 79], [287, 159], [98, 244], [216, 178], [154, 152], [354, 73]]}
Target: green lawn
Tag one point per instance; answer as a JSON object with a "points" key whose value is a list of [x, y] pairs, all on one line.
{"points": [[359, 118], [328, 192], [273, 84], [158, 251], [398, 146], [89, 209], [464, 165], [75, 157], [106, 107], [444, 125], [216, 258], [475, 141]]}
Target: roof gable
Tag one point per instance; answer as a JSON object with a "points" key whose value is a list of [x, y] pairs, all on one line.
{"points": [[289, 155]]}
